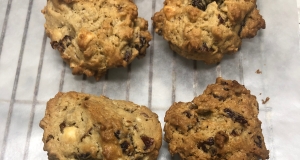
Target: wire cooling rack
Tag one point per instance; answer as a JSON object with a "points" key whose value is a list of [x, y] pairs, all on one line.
{"points": [[31, 73]]}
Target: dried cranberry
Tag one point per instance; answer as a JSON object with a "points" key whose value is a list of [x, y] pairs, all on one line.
{"points": [[124, 146], [202, 4], [199, 4], [83, 156], [62, 44], [147, 141], [205, 144], [117, 134], [49, 138], [235, 116], [187, 114], [220, 98], [62, 127], [127, 56], [221, 20], [258, 141]]}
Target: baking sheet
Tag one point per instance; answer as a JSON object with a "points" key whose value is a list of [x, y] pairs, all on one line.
{"points": [[31, 73]]}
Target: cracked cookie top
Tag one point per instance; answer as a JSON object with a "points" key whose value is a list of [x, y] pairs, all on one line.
{"points": [[207, 29], [93, 36], [220, 124], [83, 126]]}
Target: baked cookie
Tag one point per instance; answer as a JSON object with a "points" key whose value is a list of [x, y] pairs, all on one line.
{"points": [[82, 126], [96, 35], [207, 29], [220, 124]]}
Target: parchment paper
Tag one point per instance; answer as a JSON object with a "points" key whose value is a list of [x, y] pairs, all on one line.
{"points": [[31, 73]]}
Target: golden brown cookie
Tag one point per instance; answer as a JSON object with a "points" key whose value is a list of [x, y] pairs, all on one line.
{"points": [[207, 29], [220, 124], [83, 126], [96, 35]]}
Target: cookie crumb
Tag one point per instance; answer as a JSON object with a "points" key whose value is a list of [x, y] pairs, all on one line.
{"points": [[258, 71], [259, 93], [265, 101]]}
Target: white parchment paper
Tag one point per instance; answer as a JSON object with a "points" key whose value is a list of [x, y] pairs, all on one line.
{"points": [[31, 73]]}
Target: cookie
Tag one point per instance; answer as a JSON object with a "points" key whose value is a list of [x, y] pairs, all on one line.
{"points": [[94, 36], [220, 124], [83, 126], [207, 29]]}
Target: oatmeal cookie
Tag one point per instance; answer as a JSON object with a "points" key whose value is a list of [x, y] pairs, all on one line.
{"points": [[207, 29], [83, 126], [220, 124], [93, 36]]}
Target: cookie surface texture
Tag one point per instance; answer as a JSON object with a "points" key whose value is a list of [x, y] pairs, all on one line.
{"points": [[83, 126], [207, 29], [93, 36], [220, 124]]}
